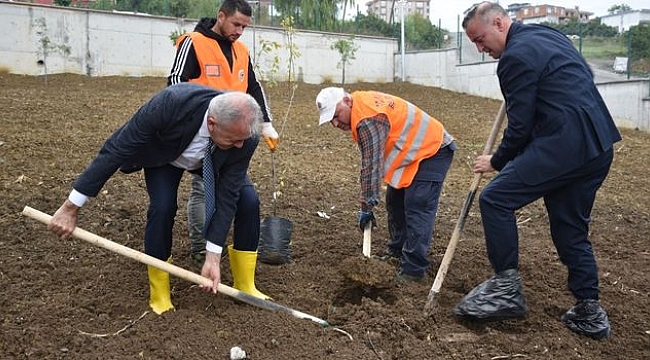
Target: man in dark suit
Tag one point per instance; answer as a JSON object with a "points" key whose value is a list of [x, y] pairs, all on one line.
{"points": [[166, 137], [213, 55], [558, 145]]}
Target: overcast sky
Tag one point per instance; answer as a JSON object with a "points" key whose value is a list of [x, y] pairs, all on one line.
{"points": [[449, 10]]}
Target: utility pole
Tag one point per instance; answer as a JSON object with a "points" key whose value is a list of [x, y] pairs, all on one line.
{"points": [[256, 5], [402, 4]]}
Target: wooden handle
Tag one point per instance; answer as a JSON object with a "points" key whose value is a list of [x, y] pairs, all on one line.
{"points": [[460, 224], [170, 268]]}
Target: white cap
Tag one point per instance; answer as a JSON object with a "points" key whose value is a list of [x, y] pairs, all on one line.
{"points": [[326, 101]]}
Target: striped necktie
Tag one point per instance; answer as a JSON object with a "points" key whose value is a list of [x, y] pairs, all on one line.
{"points": [[208, 183]]}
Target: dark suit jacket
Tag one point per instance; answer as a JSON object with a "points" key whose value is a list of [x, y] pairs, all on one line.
{"points": [[557, 120], [157, 134]]}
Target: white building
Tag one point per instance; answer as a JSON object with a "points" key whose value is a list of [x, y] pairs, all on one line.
{"points": [[624, 20]]}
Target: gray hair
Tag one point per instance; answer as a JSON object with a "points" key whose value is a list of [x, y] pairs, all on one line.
{"points": [[231, 107], [484, 11]]}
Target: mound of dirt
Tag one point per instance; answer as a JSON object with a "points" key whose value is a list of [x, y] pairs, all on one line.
{"points": [[369, 272]]}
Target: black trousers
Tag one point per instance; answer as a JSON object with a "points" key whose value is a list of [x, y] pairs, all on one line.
{"points": [[568, 199], [162, 187]]}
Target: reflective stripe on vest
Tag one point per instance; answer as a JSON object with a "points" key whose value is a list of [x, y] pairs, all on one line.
{"points": [[413, 135], [215, 71]]}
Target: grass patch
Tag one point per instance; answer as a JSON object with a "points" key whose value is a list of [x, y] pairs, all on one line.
{"points": [[601, 48]]}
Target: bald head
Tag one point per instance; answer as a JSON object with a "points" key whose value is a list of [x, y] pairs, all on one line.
{"points": [[487, 26], [485, 11]]}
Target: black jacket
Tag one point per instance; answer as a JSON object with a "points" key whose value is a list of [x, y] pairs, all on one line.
{"points": [[157, 134], [557, 120]]}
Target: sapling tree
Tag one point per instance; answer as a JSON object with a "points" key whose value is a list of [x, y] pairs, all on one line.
{"points": [[347, 50], [269, 69], [289, 30]]}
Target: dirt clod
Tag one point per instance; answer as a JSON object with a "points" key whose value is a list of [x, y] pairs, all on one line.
{"points": [[368, 271]]}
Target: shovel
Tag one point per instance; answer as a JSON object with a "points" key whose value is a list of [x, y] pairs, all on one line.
{"points": [[366, 239], [173, 269], [275, 232], [460, 224]]}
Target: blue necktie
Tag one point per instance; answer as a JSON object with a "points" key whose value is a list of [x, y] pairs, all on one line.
{"points": [[208, 183]]}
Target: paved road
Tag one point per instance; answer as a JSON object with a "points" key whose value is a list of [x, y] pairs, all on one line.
{"points": [[604, 71]]}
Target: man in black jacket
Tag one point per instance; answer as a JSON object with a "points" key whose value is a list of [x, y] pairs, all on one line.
{"points": [[166, 137], [558, 145]]}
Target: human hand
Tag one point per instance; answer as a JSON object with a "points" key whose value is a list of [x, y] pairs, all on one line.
{"points": [[366, 217], [270, 135], [211, 270], [64, 220], [482, 164]]}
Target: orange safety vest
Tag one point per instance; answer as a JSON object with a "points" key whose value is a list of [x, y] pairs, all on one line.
{"points": [[215, 71], [413, 135]]}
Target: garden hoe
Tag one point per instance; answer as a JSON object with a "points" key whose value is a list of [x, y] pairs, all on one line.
{"points": [[173, 269], [460, 224]]}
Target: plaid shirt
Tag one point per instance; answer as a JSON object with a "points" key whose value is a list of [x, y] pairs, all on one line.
{"points": [[373, 134]]}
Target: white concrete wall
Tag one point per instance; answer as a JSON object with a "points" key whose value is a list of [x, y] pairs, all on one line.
{"points": [[644, 122], [83, 42], [438, 68], [629, 102], [103, 43], [128, 46], [318, 63], [99, 43]]}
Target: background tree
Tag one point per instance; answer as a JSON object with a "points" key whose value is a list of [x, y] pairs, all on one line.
{"points": [[195, 9], [420, 33], [310, 14], [372, 25], [591, 28], [347, 50], [615, 9], [639, 46], [322, 15]]}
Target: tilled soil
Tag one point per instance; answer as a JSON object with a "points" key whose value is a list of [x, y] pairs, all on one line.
{"points": [[70, 299]]}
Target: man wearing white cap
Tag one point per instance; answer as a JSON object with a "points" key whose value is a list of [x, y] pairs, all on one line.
{"points": [[411, 151]]}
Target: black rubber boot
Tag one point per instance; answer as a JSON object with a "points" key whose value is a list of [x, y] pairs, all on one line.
{"points": [[588, 318], [498, 298]]}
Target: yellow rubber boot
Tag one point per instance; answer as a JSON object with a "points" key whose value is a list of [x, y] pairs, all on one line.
{"points": [[159, 292], [242, 267]]}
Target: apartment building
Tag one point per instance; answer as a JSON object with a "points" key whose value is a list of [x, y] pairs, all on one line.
{"points": [[535, 14], [389, 10]]}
